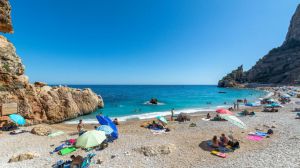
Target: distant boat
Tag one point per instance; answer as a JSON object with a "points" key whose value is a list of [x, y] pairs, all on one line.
{"points": [[222, 92]]}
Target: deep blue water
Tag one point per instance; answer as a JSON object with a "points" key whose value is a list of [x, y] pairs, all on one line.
{"points": [[129, 101]]}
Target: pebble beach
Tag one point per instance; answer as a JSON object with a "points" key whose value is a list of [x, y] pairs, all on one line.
{"points": [[183, 146]]}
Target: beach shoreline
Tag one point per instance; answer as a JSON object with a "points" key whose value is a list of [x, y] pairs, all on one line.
{"points": [[184, 143]]}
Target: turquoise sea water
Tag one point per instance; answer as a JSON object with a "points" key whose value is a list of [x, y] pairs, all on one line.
{"points": [[130, 101]]}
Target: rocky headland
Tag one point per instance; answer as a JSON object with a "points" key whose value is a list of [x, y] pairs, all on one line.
{"points": [[38, 102], [280, 66]]}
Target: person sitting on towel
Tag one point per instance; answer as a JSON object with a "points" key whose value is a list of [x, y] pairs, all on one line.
{"points": [[215, 142], [224, 140], [208, 116], [76, 161]]}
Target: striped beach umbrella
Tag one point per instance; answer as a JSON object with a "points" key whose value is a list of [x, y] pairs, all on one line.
{"points": [[105, 128], [224, 111], [234, 120]]}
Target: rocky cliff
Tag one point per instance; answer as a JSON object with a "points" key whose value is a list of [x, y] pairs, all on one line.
{"points": [[37, 102], [281, 65], [233, 79], [5, 20]]}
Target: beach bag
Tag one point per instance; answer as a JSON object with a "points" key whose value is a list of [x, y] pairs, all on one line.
{"points": [[270, 132]]}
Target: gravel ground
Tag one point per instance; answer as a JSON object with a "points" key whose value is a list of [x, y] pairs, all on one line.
{"points": [[281, 150]]}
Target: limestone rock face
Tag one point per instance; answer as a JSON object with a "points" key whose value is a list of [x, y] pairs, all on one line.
{"points": [[5, 19], [38, 102], [280, 66], [294, 29], [233, 79]]}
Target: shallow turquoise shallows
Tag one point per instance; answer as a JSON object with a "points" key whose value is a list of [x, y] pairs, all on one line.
{"points": [[131, 101]]}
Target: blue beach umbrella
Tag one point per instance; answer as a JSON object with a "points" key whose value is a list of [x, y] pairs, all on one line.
{"points": [[105, 128], [18, 119]]}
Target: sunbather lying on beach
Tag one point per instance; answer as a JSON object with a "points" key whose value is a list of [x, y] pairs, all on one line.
{"points": [[155, 125], [217, 118]]}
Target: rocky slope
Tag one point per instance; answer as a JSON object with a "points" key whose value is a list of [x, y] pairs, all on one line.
{"points": [[280, 66], [37, 102], [5, 21]]}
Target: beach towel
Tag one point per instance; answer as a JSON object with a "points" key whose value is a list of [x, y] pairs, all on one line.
{"points": [[205, 119], [60, 147], [263, 134], [16, 132], [72, 141], [56, 134], [254, 137], [67, 150], [158, 131], [219, 154], [87, 160]]}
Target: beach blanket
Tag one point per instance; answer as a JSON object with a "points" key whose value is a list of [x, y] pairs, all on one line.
{"points": [[254, 137], [67, 150], [263, 134], [56, 134], [158, 131], [205, 119], [16, 132], [219, 154]]}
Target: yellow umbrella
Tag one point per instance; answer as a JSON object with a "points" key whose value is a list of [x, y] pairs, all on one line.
{"points": [[90, 139]]}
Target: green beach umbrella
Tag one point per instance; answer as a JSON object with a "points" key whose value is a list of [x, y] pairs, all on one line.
{"points": [[234, 120], [90, 139], [162, 119]]}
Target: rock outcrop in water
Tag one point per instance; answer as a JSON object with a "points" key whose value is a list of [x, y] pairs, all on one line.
{"points": [[38, 102], [280, 66]]}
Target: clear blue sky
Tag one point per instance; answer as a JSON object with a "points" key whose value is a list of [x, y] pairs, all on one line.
{"points": [[145, 41]]}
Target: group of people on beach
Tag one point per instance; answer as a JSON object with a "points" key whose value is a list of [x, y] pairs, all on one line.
{"points": [[223, 141]]}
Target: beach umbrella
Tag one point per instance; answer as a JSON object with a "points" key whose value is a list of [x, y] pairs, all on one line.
{"points": [[105, 128], [18, 119], [162, 119], [224, 111], [234, 120], [90, 139]]}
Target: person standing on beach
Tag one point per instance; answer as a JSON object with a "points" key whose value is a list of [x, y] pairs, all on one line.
{"points": [[80, 127], [172, 114], [234, 106], [237, 106]]}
